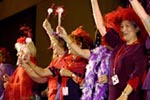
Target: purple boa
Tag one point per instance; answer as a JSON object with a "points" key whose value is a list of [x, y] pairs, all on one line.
{"points": [[98, 65]]}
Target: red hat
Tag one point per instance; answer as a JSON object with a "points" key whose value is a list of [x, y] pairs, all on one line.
{"points": [[84, 36], [114, 19], [82, 33], [25, 42]]}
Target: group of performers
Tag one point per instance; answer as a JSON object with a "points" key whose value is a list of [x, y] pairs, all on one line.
{"points": [[117, 69]]}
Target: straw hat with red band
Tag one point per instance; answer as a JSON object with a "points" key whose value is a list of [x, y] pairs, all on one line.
{"points": [[26, 44], [114, 19]]}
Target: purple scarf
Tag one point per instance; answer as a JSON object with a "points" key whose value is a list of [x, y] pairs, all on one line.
{"points": [[97, 65]]}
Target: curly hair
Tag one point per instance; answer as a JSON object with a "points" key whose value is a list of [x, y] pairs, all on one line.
{"points": [[26, 41], [80, 36]]}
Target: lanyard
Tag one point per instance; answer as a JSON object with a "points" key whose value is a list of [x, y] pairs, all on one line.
{"points": [[121, 51]]}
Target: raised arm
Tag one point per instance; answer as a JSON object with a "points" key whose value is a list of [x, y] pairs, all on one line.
{"points": [[98, 17], [145, 18], [47, 27], [85, 53], [49, 30]]}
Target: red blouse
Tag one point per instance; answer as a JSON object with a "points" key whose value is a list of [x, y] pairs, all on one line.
{"points": [[19, 86], [76, 65]]}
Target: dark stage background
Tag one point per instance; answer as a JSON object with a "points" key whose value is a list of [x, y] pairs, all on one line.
{"points": [[9, 29]]}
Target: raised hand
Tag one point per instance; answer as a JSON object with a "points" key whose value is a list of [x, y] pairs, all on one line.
{"points": [[47, 27], [61, 32]]}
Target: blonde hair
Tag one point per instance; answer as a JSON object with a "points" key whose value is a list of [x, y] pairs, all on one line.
{"points": [[26, 46]]}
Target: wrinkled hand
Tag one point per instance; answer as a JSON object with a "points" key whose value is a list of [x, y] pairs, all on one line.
{"points": [[47, 27], [103, 79], [65, 72]]}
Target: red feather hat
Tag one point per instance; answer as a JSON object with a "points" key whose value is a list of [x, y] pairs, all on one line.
{"points": [[114, 19]]}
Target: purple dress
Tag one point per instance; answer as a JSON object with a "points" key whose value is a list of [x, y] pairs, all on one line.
{"points": [[8, 69], [98, 65], [129, 67], [146, 85]]}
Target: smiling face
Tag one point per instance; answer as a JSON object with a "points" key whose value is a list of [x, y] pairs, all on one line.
{"points": [[57, 49], [129, 31], [59, 46]]}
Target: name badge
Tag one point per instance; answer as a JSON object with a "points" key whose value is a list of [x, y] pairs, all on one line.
{"points": [[65, 91], [115, 79]]}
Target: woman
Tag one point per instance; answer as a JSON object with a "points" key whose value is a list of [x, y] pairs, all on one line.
{"points": [[59, 48], [6, 70], [54, 39], [126, 69], [69, 88], [95, 84], [20, 85], [145, 18]]}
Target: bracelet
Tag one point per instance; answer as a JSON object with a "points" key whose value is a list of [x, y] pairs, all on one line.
{"points": [[54, 33], [124, 93]]}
